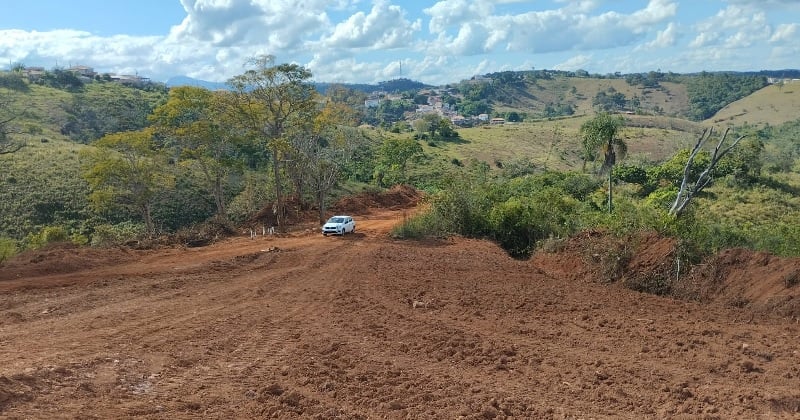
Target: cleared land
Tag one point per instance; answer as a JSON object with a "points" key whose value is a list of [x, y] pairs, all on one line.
{"points": [[302, 326]]}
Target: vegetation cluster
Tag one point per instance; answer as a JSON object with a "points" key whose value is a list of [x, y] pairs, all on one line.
{"points": [[105, 164]]}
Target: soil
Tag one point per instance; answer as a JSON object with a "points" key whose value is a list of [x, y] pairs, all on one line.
{"points": [[298, 325]]}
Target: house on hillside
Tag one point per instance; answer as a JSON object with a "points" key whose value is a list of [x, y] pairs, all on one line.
{"points": [[458, 120], [130, 80], [84, 71], [33, 73]]}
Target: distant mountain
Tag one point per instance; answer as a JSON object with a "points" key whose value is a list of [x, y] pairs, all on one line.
{"points": [[190, 81]]}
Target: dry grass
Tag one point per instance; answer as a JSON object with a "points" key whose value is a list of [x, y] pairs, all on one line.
{"points": [[773, 105], [556, 144]]}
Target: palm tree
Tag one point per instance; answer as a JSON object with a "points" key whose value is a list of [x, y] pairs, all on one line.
{"points": [[600, 134]]}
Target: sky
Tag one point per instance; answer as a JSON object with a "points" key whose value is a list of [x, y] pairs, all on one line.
{"points": [[434, 42]]}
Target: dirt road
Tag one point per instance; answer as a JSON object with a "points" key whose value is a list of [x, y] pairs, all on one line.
{"points": [[366, 327]]}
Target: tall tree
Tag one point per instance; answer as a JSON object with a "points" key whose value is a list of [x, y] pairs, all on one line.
{"points": [[322, 152], [271, 98], [127, 169], [600, 134], [195, 121]]}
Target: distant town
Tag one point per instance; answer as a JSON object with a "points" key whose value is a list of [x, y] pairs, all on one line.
{"points": [[84, 73]]}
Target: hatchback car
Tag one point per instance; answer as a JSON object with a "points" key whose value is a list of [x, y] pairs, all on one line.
{"points": [[339, 225]]}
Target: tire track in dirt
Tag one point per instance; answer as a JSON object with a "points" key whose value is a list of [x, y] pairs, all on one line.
{"points": [[301, 326]]}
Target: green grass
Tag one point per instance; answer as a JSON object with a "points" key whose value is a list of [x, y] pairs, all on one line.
{"points": [[41, 185], [553, 144]]}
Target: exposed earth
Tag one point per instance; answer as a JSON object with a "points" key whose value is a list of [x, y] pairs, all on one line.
{"points": [[298, 325]]}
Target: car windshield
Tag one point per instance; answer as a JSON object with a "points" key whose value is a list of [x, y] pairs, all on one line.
{"points": [[336, 220]]}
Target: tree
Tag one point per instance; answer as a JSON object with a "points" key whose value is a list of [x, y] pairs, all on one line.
{"points": [[393, 157], [689, 189], [600, 134], [194, 120], [127, 169], [436, 126], [322, 152], [270, 99]]}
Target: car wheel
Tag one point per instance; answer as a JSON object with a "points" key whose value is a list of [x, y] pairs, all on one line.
{"points": [[324, 234]]}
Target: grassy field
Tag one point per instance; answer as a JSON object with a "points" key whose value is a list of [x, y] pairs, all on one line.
{"points": [[41, 185], [556, 144], [773, 105], [669, 99], [39, 110]]}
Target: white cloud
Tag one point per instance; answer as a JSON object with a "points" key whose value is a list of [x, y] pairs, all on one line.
{"points": [[448, 13], [666, 38], [784, 33], [575, 63], [572, 27], [704, 39], [280, 24], [385, 27], [364, 41], [733, 27]]}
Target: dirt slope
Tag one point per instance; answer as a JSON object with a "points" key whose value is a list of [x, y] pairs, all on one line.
{"points": [[305, 326]]}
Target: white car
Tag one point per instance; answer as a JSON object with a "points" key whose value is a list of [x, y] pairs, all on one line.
{"points": [[339, 225]]}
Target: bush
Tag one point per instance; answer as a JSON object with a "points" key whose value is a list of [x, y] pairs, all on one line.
{"points": [[8, 248], [48, 235], [419, 227], [110, 235]]}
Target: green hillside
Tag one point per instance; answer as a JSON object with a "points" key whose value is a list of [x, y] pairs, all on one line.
{"points": [[532, 96], [41, 185]]}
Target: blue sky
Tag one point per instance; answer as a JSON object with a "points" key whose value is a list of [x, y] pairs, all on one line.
{"points": [[436, 42]]}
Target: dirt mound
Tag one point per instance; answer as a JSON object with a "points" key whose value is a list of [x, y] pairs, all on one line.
{"points": [[61, 258], [648, 263], [396, 198], [746, 278]]}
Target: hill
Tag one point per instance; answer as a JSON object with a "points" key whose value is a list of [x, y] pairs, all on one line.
{"points": [[584, 95], [42, 184], [773, 105]]}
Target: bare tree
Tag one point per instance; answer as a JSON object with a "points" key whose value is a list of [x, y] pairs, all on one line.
{"points": [[689, 190]]}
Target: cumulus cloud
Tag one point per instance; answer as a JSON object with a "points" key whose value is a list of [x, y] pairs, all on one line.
{"points": [[666, 38], [385, 27], [574, 63], [364, 41], [784, 33], [449, 13], [280, 24], [733, 27], [61, 47], [572, 27]]}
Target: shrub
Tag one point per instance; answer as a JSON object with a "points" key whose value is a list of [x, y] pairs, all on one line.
{"points": [[422, 226], [110, 235], [48, 235], [520, 223], [8, 248]]}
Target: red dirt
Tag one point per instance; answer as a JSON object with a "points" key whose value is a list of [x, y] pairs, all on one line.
{"points": [[305, 326]]}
